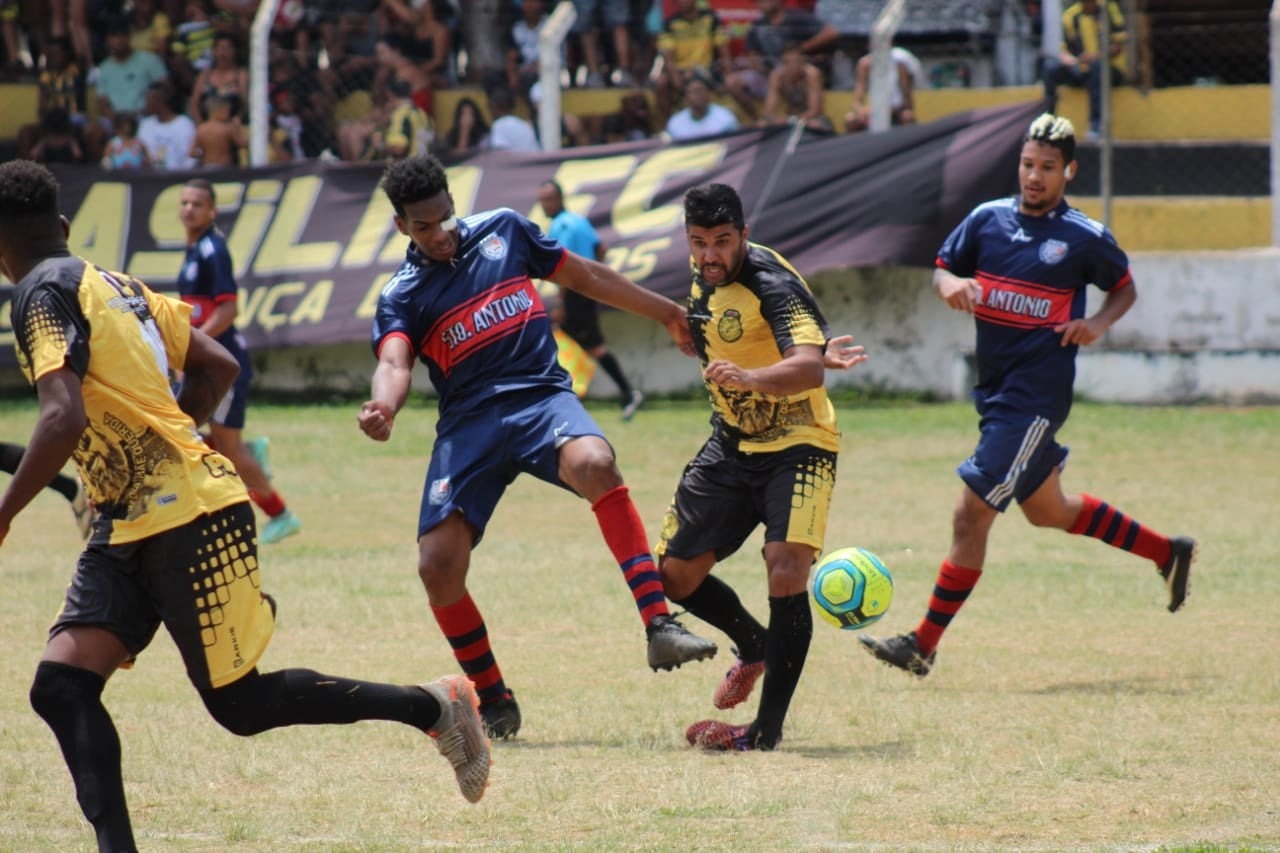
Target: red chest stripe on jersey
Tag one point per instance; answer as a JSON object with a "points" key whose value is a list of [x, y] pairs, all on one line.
{"points": [[502, 309], [1009, 302]]}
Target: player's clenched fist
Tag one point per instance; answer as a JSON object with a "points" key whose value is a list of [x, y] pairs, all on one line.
{"points": [[376, 419]]}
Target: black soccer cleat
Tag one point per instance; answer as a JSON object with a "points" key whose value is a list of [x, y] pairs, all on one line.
{"points": [[501, 717], [1177, 570], [901, 651], [671, 644]]}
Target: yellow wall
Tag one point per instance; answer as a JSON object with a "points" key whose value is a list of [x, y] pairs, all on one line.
{"points": [[1152, 223], [20, 106]]}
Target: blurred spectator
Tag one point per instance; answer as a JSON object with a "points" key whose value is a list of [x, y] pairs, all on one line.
{"points": [[125, 74], [70, 19], [191, 50], [62, 86], [167, 134], [226, 78], [778, 26], [692, 42], [125, 150], [287, 128], [219, 138], [393, 64], [351, 43], [10, 13], [398, 129], [469, 132], [57, 143], [149, 28], [906, 74], [424, 39], [289, 30], [1080, 62], [313, 105], [633, 120], [522, 51], [795, 92], [701, 116], [615, 16], [509, 132]]}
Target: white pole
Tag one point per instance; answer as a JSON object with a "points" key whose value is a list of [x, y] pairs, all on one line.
{"points": [[1104, 130], [883, 76], [1275, 124], [259, 63], [1050, 28], [552, 36]]}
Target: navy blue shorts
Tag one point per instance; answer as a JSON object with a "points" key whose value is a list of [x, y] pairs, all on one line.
{"points": [[231, 411], [1015, 455], [478, 455]]}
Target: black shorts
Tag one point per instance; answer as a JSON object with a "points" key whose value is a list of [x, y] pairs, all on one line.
{"points": [[582, 320], [201, 580], [725, 493]]}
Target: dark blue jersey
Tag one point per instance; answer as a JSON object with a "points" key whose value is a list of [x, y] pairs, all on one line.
{"points": [[477, 322], [1033, 271], [207, 279]]}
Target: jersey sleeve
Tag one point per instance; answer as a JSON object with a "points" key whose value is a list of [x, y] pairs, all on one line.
{"points": [[1108, 265], [390, 317], [222, 279], [173, 319], [545, 255], [791, 311], [50, 331], [959, 252]]}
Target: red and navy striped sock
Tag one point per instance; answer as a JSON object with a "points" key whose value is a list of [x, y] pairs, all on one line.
{"points": [[950, 590], [463, 627], [624, 534], [1102, 521]]}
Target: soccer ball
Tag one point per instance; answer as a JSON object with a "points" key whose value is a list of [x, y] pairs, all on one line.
{"points": [[851, 588]]}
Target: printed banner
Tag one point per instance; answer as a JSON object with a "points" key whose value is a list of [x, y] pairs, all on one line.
{"points": [[313, 243]]}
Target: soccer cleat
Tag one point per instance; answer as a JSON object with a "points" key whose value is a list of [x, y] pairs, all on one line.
{"points": [[738, 683], [459, 733], [258, 450], [83, 511], [1177, 570], [501, 717], [632, 405], [901, 651], [284, 524], [721, 737], [671, 644]]}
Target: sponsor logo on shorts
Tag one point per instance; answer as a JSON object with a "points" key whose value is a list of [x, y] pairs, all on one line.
{"points": [[439, 492]]}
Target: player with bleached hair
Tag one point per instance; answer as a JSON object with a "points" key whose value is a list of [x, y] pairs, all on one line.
{"points": [[1020, 266]]}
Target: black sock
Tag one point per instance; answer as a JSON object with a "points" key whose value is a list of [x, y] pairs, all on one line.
{"points": [[68, 698], [790, 630], [292, 697], [611, 367], [11, 458], [715, 603]]}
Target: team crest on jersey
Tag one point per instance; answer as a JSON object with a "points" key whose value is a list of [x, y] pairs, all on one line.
{"points": [[493, 247], [730, 326], [439, 492], [1052, 251]]}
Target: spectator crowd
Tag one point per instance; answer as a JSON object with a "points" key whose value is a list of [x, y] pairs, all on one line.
{"points": [[165, 83]]}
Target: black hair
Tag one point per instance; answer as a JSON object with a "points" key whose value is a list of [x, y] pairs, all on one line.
{"points": [[1056, 132], [117, 25], [413, 179], [480, 129], [202, 184], [555, 185], [710, 205], [28, 199]]}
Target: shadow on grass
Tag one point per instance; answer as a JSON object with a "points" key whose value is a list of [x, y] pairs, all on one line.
{"points": [[1147, 685]]}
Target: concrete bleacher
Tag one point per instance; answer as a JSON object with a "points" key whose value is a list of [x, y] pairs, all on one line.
{"points": [[1192, 162]]}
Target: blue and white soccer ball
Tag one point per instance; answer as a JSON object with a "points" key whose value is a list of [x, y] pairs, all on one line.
{"points": [[851, 588]]}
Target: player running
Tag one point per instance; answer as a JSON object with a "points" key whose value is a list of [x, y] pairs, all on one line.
{"points": [[464, 303], [1020, 266]]}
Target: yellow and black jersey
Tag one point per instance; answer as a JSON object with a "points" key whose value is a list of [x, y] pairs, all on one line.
{"points": [[143, 464], [1082, 32], [751, 322]]}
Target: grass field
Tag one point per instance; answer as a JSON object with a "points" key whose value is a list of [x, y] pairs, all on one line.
{"points": [[1068, 710]]}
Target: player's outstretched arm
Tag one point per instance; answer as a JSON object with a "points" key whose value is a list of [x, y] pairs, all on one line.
{"points": [[603, 284], [207, 375], [390, 389], [61, 422], [800, 369], [841, 354]]}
